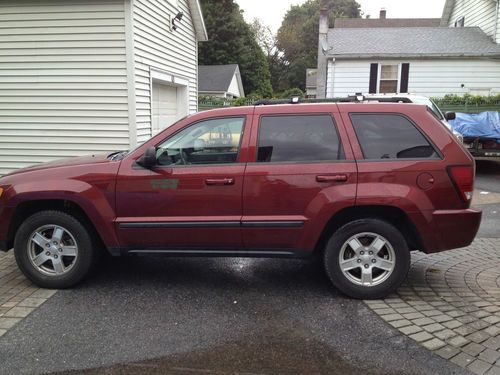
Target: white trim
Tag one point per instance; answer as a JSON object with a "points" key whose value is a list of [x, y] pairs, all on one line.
{"points": [[167, 78], [129, 48], [379, 76], [198, 21]]}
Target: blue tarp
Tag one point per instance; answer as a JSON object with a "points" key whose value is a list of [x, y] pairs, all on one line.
{"points": [[484, 125]]}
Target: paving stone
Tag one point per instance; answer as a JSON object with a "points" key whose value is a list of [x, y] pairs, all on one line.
{"points": [[391, 317], [410, 329], [489, 355], [447, 352], [442, 318], [473, 349], [421, 336], [416, 315], [452, 324], [19, 312], [422, 321], [462, 359], [445, 334], [400, 323], [493, 343], [492, 331], [433, 344], [433, 327], [6, 323], [464, 330], [478, 337], [458, 341], [479, 367], [2, 332], [492, 319], [495, 370]]}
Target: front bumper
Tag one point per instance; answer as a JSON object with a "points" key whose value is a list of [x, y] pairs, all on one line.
{"points": [[448, 229]]}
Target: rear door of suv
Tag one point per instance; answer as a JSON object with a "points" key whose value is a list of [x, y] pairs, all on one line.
{"points": [[301, 169]]}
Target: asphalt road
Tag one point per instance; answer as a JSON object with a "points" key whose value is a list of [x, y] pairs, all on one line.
{"points": [[210, 316], [146, 315]]}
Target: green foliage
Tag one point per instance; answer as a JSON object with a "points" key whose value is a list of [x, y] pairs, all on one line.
{"points": [[469, 99], [287, 94], [297, 39], [231, 41]]}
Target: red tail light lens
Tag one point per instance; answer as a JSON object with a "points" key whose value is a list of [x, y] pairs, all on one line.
{"points": [[463, 177]]}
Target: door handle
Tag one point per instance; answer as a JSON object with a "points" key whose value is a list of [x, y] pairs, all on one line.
{"points": [[219, 181], [332, 178]]}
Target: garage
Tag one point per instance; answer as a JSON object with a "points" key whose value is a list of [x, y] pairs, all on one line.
{"points": [[169, 104]]}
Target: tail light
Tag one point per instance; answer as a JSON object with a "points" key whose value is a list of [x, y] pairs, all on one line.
{"points": [[463, 178]]}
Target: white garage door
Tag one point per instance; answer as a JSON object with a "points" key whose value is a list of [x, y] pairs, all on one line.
{"points": [[165, 106]]}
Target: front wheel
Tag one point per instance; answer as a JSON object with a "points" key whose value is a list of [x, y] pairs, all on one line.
{"points": [[53, 249], [367, 259]]}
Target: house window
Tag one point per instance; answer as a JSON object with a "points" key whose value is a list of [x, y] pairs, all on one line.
{"points": [[460, 22], [389, 75]]}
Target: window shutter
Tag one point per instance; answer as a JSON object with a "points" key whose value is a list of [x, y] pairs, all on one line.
{"points": [[373, 78], [405, 72]]}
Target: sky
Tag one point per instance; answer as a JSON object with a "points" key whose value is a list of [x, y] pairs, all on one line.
{"points": [[271, 12]]}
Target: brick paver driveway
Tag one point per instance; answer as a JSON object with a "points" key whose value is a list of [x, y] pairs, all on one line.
{"points": [[450, 303]]}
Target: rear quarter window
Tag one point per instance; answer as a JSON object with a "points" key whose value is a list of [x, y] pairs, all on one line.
{"points": [[390, 136]]}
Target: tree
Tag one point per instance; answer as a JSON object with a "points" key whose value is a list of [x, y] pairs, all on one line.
{"points": [[297, 37], [232, 41]]}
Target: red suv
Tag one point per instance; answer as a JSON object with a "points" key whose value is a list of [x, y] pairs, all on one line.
{"points": [[361, 185]]}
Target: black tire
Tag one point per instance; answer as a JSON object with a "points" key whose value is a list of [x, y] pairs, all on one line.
{"points": [[392, 280], [83, 241]]}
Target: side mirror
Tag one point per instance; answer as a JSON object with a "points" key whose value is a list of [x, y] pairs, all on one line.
{"points": [[450, 115], [148, 160]]}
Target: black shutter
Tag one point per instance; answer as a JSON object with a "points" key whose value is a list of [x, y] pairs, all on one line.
{"points": [[373, 78], [405, 72]]}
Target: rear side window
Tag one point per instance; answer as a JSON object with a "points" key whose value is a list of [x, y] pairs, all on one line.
{"points": [[298, 138], [390, 136]]}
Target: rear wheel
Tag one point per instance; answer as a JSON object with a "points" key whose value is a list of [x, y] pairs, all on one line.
{"points": [[53, 249], [367, 259]]}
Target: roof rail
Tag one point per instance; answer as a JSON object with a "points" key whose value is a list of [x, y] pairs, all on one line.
{"points": [[357, 98]]}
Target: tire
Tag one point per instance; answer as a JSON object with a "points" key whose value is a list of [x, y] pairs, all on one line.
{"points": [[53, 249], [355, 252]]}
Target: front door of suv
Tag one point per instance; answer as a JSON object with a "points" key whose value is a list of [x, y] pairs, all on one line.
{"points": [[302, 171], [191, 200]]}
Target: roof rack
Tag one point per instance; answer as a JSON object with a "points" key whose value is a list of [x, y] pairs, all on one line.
{"points": [[357, 98]]}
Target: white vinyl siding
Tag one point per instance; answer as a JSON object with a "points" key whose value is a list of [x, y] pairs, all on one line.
{"points": [[497, 38], [481, 13], [158, 47], [63, 80], [430, 77]]}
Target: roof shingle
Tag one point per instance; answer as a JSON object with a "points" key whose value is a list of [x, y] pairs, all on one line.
{"points": [[215, 78], [386, 22], [411, 42]]}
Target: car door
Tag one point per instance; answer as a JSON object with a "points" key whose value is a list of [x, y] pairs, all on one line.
{"points": [[191, 200], [301, 170]]}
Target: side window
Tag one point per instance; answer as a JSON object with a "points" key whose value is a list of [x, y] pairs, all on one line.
{"points": [[207, 142], [298, 138], [390, 136]]}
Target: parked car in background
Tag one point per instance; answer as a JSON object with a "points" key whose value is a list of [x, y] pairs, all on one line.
{"points": [[481, 132], [359, 185]]}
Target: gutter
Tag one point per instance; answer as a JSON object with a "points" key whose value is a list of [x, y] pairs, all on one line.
{"points": [[417, 56]]}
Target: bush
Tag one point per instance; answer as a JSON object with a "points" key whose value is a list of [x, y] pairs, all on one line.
{"points": [[287, 94], [468, 99]]}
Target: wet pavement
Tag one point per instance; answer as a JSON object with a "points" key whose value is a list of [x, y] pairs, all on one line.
{"points": [[210, 316]]}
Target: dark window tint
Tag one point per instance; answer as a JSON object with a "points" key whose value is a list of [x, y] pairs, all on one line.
{"points": [[386, 136], [296, 138]]}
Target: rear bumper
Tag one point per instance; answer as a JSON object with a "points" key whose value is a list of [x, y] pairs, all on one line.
{"points": [[449, 229]]}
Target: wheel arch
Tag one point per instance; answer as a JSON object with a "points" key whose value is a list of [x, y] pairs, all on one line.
{"points": [[27, 208], [390, 214]]}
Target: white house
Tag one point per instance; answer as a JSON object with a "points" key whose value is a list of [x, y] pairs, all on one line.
{"points": [[88, 76], [424, 60], [223, 81], [482, 13]]}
